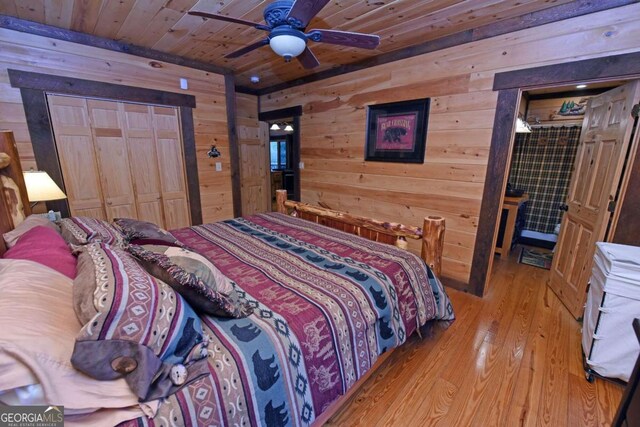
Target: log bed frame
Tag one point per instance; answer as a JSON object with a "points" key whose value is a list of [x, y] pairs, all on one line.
{"points": [[431, 235], [10, 167]]}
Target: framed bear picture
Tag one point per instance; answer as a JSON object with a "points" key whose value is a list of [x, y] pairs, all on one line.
{"points": [[397, 131]]}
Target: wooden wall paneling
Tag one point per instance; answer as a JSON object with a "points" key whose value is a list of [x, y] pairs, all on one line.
{"points": [[112, 155], [460, 82], [171, 166], [78, 162], [141, 142]]}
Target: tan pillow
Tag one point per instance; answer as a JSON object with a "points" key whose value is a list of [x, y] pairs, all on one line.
{"points": [[37, 336], [32, 221]]}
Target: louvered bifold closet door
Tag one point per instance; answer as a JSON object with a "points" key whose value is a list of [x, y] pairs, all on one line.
{"points": [[113, 159], [76, 151], [143, 160], [171, 167]]}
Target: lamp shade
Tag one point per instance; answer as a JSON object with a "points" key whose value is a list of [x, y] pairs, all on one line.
{"points": [[275, 127], [288, 128], [40, 187], [287, 45]]}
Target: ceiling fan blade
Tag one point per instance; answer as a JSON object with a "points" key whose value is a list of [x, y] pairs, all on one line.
{"points": [[345, 38], [230, 19], [238, 53], [303, 11], [308, 59]]}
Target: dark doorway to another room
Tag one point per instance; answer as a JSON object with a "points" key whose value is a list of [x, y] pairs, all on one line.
{"points": [[281, 159]]}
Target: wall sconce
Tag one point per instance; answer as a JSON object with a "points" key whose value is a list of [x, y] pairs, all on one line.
{"points": [[213, 152], [522, 126]]}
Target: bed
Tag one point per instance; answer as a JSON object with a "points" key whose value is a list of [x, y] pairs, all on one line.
{"points": [[332, 295]]}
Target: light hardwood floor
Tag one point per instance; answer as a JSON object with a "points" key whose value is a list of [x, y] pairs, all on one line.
{"points": [[510, 359]]}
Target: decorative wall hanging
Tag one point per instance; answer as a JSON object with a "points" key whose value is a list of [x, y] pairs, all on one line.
{"points": [[397, 131]]}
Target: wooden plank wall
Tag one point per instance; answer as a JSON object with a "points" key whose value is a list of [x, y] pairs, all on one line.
{"points": [[459, 80], [34, 53]]}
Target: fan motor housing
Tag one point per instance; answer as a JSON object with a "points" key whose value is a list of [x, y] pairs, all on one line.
{"points": [[276, 13]]}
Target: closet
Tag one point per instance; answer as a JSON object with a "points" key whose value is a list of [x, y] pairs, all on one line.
{"points": [[121, 160]]}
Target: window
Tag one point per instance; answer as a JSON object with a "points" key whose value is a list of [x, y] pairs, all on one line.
{"points": [[279, 155]]}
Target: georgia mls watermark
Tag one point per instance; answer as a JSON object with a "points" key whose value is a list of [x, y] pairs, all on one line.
{"points": [[31, 416]]}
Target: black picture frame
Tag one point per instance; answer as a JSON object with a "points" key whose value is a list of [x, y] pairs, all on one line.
{"points": [[397, 131]]}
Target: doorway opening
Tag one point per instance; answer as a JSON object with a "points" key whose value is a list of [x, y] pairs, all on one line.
{"points": [[283, 151], [282, 173], [566, 172]]}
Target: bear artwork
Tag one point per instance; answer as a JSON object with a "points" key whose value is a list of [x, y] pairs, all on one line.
{"points": [[394, 134]]}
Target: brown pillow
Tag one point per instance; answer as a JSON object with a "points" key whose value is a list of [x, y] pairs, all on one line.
{"points": [[145, 233], [32, 221], [203, 297], [80, 230], [139, 329]]}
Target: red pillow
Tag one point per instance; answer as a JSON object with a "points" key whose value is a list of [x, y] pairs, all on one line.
{"points": [[47, 247]]}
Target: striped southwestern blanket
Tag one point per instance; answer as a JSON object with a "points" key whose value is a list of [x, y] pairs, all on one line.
{"points": [[327, 304]]}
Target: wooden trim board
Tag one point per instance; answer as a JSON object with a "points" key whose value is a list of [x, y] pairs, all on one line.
{"points": [[89, 88], [510, 85], [234, 148], [33, 89]]}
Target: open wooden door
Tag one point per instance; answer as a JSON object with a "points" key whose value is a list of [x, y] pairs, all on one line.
{"points": [[254, 171], [606, 132]]}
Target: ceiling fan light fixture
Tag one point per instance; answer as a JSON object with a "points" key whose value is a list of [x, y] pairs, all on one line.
{"points": [[275, 127], [288, 128], [287, 42]]}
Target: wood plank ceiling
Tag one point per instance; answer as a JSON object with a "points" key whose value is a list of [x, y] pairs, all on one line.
{"points": [[164, 25]]}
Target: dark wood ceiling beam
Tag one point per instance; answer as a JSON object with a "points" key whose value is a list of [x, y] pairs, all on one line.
{"points": [[30, 27], [530, 20]]}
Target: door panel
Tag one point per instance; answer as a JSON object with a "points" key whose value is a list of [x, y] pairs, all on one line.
{"points": [[255, 172], [605, 137], [138, 122], [113, 159], [74, 141], [171, 168], [121, 160]]}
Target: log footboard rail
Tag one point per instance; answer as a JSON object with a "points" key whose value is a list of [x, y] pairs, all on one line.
{"points": [[431, 234]]}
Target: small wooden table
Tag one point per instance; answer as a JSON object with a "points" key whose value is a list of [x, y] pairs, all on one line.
{"points": [[511, 204]]}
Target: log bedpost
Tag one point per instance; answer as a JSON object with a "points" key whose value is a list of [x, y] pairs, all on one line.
{"points": [[281, 198], [433, 242]]}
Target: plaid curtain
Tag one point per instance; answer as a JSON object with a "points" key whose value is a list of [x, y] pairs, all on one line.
{"points": [[541, 165]]}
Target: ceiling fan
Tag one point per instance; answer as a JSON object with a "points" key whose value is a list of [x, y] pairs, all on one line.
{"points": [[286, 22]]}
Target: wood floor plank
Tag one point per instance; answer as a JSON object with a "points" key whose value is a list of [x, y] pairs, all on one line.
{"points": [[512, 358]]}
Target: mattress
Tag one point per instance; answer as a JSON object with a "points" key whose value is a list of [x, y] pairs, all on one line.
{"points": [[327, 305]]}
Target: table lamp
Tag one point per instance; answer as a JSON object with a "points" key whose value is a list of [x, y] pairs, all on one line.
{"points": [[41, 188]]}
